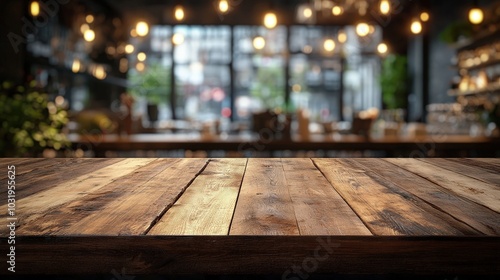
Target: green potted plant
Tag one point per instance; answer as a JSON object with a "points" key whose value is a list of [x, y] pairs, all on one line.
{"points": [[153, 84], [393, 81], [29, 122]]}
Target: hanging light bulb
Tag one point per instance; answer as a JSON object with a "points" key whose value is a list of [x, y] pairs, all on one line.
{"points": [[270, 20], [89, 35], [337, 10], [223, 6], [259, 43], [76, 66], [129, 48], [476, 15], [35, 8], [329, 45], [362, 29], [307, 13], [141, 56], [342, 37], [382, 48], [142, 28], [178, 39], [179, 13], [424, 16], [416, 27], [89, 19], [385, 7]]}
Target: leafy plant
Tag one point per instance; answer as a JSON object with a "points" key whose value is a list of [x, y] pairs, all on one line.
{"points": [[29, 123], [455, 31], [393, 81], [153, 83], [268, 87]]}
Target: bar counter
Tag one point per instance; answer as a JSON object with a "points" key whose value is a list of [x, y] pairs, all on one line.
{"points": [[253, 216], [439, 145]]}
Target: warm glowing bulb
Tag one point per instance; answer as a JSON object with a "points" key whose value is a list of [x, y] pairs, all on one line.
{"points": [[129, 48], [76, 66], [100, 73], [259, 43], [476, 16], [425, 16], [84, 28], [270, 20], [223, 6], [178, 39], [329, 45], [89, 18], [142, 28], [385, 7], [89, 35], [342, 37], [179, 13], [141, 56], [337, 10], [362, 29], [35, 8], [308, 12], [416, 27], [140, 66], [382, 48]]}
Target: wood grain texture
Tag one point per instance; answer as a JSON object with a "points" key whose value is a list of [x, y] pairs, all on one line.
{"points": [[58, 219], [264, 205], [207, 206], [385, 210], [31, 207], [477, 191], [144, 202], [476, 216], [466, 169], [491, 165], [163, 255], [319, 209], [48, 173]]}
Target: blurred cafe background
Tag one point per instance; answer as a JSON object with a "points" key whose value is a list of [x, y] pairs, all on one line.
{"points": [[249, 78]]}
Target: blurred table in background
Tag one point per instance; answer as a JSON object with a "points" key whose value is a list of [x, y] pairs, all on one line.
{"points": [[263, 146]]}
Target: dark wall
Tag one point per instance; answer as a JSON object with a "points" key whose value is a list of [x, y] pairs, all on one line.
{"points": [[441, 73], [11, 60]]}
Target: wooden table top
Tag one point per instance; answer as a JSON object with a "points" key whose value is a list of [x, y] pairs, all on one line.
{"points": [[78, 216]]}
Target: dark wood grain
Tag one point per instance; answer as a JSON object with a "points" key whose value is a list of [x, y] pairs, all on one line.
{"points": [[385, 209], [468, 170], [162, 255], [447, 202]]}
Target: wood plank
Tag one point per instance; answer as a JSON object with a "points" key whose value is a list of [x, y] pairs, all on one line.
{"points": [[32, 207], [264, 205], [207, 206], [384, 209], [319, 209], [477, 216], [23, 164], [223, 255], [50, 172], [144, 202], [492, 165], [63, 216], [468, 170], [477, 191]]}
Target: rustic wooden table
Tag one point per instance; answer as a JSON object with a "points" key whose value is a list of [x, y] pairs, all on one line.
{"points": [[273, 216]]}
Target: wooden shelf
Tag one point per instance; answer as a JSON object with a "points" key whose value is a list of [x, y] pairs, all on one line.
{"points": [[478, 41], [495, 89]]}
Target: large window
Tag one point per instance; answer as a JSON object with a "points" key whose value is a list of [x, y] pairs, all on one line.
{"points": [[259, 66], [202, 72], [231, 72]]}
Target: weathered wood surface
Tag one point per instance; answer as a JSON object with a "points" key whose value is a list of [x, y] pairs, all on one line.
{"points": [[80, 216]]}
